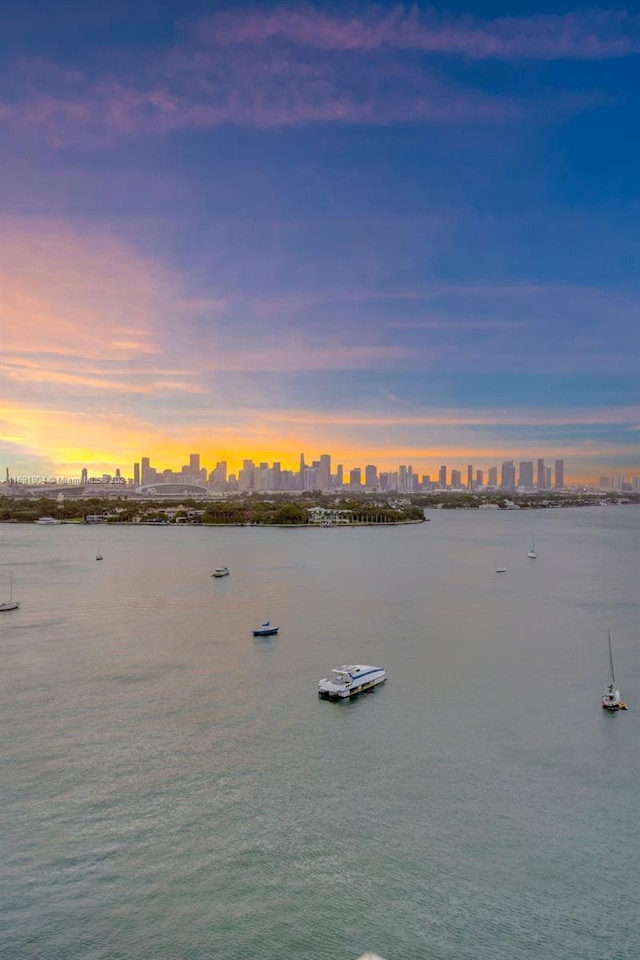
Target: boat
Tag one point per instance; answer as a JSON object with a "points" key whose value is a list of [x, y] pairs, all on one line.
{"points": [[265, 630], [99, 552], [349, 680], [47, 520], [611, 699], [10, 604], [221, 572], [532, 552], [501, 569]]}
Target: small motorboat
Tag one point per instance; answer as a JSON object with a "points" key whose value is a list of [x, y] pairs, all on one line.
{"points": [[501, 569], [221, 572], [265, 630]]}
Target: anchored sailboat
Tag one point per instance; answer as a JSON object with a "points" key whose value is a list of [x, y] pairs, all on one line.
{"points": [[532, 552], [10, 604], [611, 699]]}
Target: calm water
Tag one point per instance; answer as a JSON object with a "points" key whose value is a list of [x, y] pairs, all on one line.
{"points": [[174, 788]]}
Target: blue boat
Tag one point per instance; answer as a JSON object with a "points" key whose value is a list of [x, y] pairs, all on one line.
{"points": [[265, 630]]}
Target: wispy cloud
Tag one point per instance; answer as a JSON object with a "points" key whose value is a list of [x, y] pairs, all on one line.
{"points": [[583, 35], [298, 64]]}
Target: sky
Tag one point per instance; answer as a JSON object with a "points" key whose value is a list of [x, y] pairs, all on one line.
{"points": [[392, 233]]}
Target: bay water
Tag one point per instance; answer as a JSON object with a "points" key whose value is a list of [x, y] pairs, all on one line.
{"points": [[174, 789]]}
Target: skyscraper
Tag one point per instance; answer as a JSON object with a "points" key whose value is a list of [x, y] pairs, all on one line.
{"points": [[559, 474], [442, 477], [470, 476], [525, 473], [323, 472], [540, 478], [508, 478]]}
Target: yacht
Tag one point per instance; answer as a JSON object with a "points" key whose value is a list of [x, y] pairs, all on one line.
{"points": [[221, 572], [350, 679], [611, 699], [47, 520], [10, 604]]}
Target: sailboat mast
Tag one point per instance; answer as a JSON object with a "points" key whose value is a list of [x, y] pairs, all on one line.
{"points": [[613, 679]]}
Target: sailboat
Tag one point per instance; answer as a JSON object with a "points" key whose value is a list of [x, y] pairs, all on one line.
{"points": [[532, 552], [10, 604], [99, 553], [611, 699]]}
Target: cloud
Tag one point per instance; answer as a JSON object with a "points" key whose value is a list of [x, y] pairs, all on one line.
{"points": [[582, 35], [298, 64]]}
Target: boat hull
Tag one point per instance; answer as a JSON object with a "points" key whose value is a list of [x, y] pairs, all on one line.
{"points": [[350, 680], [266, 633], [9, 605], [351, 692]]}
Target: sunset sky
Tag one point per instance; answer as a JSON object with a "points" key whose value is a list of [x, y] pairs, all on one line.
{"points": [[396, 234]]}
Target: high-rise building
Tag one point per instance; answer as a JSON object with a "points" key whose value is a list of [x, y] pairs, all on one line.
{"points": [[493, 477], [355, 477], [540, 478], [246, 475], [508, 477], [147, 473], [525, 473], [371, 475], [324, 472], [339, 476], [84, 476], [469, 476], [194, 464], [479, 479], [136, 474], [456, 479], [442, 477], [559, 474]]}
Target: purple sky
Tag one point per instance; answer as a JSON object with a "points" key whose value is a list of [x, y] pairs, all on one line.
{"points": [[397, 234]]}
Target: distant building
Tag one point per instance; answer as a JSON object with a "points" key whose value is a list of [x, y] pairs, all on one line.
{"points": [[525, 474], [508, 476], [559, 474]]}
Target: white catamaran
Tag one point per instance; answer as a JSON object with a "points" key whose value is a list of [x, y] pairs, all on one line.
{"points": [[611, 699]]}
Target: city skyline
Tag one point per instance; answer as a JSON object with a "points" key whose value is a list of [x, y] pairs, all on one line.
{"points": [[318, 475], [406, 234]]}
